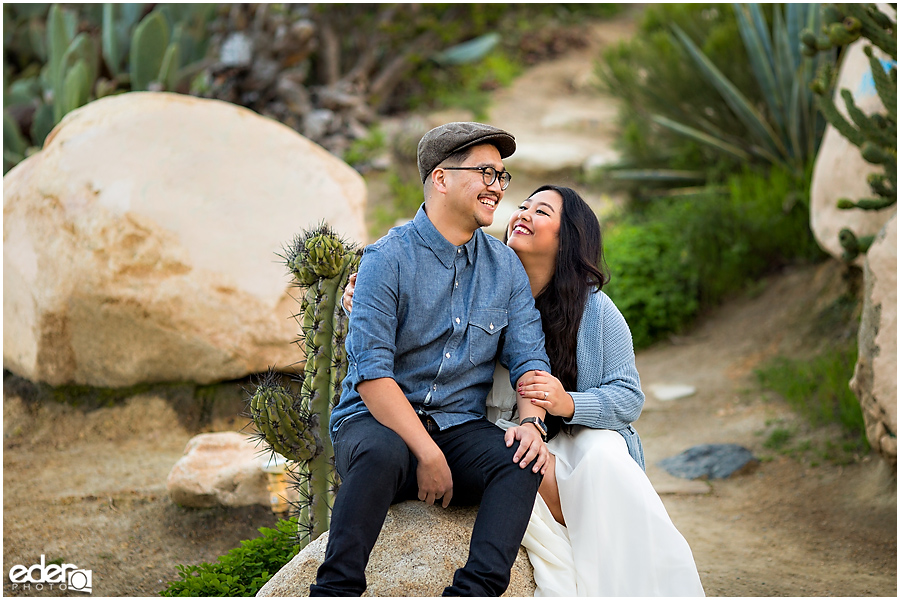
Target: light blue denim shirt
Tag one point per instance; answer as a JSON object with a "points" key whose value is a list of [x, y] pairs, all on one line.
{"points": [[434, 317]]}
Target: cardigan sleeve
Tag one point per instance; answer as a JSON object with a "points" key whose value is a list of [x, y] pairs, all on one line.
{"points": [[609, 392]]}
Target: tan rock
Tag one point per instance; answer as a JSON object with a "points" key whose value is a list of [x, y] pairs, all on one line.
{"points": [[140, 244], [219, 469], [875, 378], [419, 549], [840, 170]]}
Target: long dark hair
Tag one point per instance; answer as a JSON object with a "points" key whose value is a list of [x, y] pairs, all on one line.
{"points": [[580, 268]]}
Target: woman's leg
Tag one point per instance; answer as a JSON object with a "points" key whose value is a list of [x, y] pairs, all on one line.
{"points": [[549, 491]]}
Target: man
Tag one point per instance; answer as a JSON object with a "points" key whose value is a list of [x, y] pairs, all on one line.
{"points": [[436, 302]]}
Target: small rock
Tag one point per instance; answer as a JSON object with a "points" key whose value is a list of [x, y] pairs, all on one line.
{"points": [[669, 392], [710, 461], [219, 469], [237, 50]]}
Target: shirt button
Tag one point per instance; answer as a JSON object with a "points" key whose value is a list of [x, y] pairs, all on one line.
{"points": [[447, 355], [492, 326], [434, 387], [456, 284], [457, 320], [458, 250]]}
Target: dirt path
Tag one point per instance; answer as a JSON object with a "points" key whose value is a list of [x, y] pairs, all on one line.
{"points": [[88, 486]]}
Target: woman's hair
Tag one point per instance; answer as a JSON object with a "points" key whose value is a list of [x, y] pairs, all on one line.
{"points": [[580, 268]]}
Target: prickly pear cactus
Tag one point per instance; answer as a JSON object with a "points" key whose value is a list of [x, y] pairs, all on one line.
{"points": [[296, 426]]}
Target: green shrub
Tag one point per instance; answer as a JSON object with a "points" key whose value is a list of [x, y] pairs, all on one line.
{"points": [[686, 254], [652, 74], [818, 388], [242, 571]]}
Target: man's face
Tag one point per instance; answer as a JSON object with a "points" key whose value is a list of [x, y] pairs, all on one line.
{"points": [[467, 193]]}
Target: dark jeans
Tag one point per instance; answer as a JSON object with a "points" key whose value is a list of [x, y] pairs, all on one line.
{"points": [[377, 469]]}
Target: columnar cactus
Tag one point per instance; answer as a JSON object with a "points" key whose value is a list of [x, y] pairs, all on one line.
{"points": [[876, 134], [297, 426]]}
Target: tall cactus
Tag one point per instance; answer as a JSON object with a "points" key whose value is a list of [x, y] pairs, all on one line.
{"points": [[876, 134], [296, 426]]}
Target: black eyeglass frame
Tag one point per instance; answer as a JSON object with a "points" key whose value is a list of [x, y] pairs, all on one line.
{"points": [[504, 182]]}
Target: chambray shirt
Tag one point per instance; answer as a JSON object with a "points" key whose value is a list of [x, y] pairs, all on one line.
{"points": [[434, 317]]}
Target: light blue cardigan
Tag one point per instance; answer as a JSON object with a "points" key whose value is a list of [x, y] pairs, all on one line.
{"points": [[609, 392]]}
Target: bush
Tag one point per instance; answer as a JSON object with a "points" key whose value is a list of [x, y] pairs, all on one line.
{"points": [[242, 571], [818, 388], [685, 254], [652, 74]]}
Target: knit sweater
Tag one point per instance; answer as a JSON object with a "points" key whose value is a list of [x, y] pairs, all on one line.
{"points": [[608, 394]]}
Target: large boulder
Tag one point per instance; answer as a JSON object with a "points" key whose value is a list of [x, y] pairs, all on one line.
{"points": [[875, 378], [840, 170], [140, 244], [419, 549]]}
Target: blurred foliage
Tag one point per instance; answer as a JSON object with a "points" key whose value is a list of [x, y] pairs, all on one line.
{"points": [[652, 74], [817, 389], [707, 89], [241, 572], [57, 58], [685, 254]]}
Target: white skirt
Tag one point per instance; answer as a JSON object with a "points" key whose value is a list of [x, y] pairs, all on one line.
{"points": [[618, 539]]}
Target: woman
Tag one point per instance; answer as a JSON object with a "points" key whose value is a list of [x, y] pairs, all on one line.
{"points": [[598, 527]]}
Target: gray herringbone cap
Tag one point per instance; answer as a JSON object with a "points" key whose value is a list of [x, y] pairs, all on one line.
{"points": [[441, 142]]}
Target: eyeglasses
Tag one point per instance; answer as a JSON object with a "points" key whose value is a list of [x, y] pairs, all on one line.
{"points": [[488, 174]]}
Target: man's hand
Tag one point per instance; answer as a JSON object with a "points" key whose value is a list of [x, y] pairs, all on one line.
{"points": [[531, 447], [434, 478], [347, 298]]}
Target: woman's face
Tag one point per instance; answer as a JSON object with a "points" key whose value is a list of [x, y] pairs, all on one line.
{"points": [[534, 227]]}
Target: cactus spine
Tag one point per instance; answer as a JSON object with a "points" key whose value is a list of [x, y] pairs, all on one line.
{"points": [[876, 134], [296, 426]]}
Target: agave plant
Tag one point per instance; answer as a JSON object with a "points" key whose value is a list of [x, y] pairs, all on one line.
{"points": [[788, 129]]}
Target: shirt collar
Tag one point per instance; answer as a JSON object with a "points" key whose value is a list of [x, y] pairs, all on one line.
{"points": [[443, 249]]}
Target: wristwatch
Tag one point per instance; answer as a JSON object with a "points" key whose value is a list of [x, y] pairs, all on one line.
{"points": [[542, 427]]}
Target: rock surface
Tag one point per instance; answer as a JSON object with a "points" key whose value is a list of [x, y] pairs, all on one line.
{"points": [[875, 378], [140, 244], [219, 469], [419, 549], [840, 170], [710, 461]]}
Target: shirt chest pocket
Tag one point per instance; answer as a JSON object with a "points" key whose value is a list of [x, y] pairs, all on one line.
{"points": [[485, 325]]}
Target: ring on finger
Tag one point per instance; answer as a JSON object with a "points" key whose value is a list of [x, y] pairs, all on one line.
{"points": [[546, 394]]}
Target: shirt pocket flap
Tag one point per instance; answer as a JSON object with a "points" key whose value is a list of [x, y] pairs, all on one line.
{"points": [[489, 320]]}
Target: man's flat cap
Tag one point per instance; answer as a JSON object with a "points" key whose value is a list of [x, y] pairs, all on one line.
{"points": [[441, 142]]}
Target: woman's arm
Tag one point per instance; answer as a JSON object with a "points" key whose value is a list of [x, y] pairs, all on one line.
{"points": [[609, 392]]}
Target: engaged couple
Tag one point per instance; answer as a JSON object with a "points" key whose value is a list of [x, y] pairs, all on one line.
{"points": [[500, 375]]}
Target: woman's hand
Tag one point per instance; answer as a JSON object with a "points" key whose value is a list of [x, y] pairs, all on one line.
{"points": [[347, 298], [544, 390]]}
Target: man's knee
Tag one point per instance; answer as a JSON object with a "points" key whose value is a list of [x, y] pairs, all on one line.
{"points": [[373, 450]]}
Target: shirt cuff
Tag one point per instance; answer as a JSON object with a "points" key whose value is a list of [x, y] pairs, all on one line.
{"points": [[371, 366], [587, 409]]}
